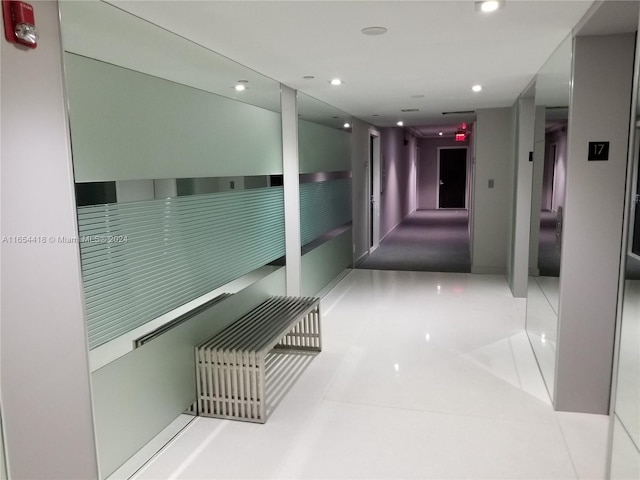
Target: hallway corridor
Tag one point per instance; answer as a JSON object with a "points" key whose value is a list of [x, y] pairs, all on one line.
{"points": [[427, 241], [422, 375]]}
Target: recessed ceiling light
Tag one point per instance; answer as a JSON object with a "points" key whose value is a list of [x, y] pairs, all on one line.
{"points": [[440, 133], [374, 30], [240, 87], [400, 124], [308, 77], [488, 6], [347, 125], [336, 81], [476, 88]]}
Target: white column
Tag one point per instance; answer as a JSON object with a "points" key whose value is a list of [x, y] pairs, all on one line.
{"points": [[165, 188], [46, 395], [522, 183], [592, 227], [492, 190], [291, 172]]}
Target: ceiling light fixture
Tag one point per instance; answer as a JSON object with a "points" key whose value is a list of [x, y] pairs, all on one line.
{"points": [[440, 133], [476, 88], [336, 81], [374, 30], [488, 6], [400, 123], [241, 85], [347, 125]]}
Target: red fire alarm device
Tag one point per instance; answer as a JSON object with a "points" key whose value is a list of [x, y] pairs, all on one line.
{"points": [[19, 23]]}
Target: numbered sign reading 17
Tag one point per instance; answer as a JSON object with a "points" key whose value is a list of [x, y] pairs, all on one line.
{"points": [[598, 151]]}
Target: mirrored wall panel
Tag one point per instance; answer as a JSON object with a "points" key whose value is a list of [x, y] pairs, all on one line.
{"points": [[552, 94], [324, 150], [177, 157], [625, 446]]}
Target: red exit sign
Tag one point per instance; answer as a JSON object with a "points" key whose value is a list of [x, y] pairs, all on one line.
{"points": [[461, 136]]}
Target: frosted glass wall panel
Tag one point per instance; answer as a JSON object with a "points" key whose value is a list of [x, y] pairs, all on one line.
{"points": [[127, 125], [323, 264], [99, 30], [322, 148], [324, 206], [143, 259], [140, 393]]}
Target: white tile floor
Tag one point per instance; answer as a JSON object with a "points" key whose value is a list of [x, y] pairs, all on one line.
{"points": [[423, 375]]}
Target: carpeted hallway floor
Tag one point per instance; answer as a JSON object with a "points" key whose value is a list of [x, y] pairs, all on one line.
{"points": [[427, 241]]}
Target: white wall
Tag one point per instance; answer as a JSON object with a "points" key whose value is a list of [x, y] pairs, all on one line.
{"points": [[493, 161], [513, 172], [427, 175], [398, 197], [592, 228], [522, 196], [45, 371], [135, 190], [360, 163], [322, 148]]}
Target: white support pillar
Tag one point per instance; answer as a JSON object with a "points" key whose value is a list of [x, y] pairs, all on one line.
{"points": [[522, 184], [592, 227], [291, 176], [46, 391]]}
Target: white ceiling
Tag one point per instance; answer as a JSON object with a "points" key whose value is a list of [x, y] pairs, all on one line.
{"points": [[438, 49]]}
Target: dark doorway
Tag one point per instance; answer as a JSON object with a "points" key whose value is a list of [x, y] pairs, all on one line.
{"points": [[453, 178], [549, 178]]}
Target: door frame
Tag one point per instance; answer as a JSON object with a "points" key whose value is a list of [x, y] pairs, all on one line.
{"points": [[374, 187], [466, 174], [553, 204]]}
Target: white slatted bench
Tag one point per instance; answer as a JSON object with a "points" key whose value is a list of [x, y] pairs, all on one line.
{"points": [[231, 364]]}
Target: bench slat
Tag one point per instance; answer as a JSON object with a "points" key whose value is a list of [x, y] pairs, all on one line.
{"points": [[231, 364]]}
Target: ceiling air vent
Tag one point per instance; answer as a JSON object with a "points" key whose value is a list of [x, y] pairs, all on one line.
{"points": [[410, 110], [461, 112]]}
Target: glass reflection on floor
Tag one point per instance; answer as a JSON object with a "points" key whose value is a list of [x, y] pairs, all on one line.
{"points": [[542, 324]]}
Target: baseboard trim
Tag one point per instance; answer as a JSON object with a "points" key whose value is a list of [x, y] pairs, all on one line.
{"points": [[332, 284]]}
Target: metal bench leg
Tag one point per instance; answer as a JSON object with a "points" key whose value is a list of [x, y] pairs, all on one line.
{"points": [[305, 334]]}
